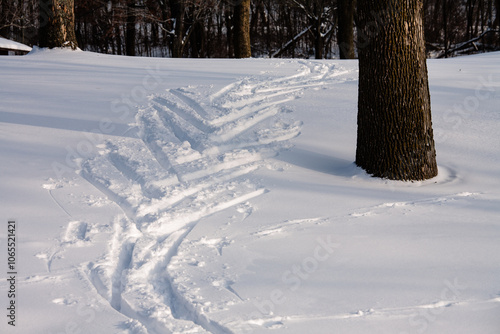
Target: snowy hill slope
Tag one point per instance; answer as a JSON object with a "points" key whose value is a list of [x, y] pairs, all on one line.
{"points": [[193, 196]]}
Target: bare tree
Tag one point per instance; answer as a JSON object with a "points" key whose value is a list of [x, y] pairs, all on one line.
{"points": [[278, 28], [319, 13], [19, 20]]}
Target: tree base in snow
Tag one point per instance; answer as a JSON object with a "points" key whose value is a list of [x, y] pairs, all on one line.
{"points": [[395, 136]]}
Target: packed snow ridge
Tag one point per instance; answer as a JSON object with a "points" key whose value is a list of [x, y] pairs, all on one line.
{"points": [[195, 148]]}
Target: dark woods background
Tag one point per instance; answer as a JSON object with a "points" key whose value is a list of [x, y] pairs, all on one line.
{"points": [[280, 28]]}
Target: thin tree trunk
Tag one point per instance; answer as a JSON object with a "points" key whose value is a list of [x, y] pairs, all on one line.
{"points": [[130, 34], [497, 18], [4, 19], [497, 10], [470, 16], [345, 34], [19, 30], [57, 24], [230, 32], [319, 41], [395, 137], [290, 43], [118, 36], [178, 13], [318, 46], [4, 27], [242, 47], [445, 27]]}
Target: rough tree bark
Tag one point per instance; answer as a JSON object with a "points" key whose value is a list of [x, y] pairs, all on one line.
{"points": [[395, 137], [345, 33], [242, 48], [57, 24]]}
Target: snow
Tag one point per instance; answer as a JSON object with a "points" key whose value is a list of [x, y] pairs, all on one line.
{"points": [[195, 196], [8, 44]]}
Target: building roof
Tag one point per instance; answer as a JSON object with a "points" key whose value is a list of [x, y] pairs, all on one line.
{"points": [[6, 44]]}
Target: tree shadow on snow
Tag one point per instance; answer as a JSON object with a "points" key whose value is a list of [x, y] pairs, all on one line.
{"points": [[320, 162], [72, 124]]}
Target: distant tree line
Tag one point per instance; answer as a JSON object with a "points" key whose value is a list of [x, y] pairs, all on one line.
{"points": [[277, 28]]}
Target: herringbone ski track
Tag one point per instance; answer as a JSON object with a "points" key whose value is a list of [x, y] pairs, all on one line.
{"points": [[195, 151]]}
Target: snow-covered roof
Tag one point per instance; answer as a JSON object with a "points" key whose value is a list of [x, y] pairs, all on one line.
{"points": [[14, 46]]}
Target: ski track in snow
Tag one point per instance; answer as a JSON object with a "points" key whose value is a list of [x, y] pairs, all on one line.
{"points": [[399, 312], [382, 208], [196, 146]]}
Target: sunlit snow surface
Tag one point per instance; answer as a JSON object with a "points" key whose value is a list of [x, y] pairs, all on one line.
{"points": [[220, 196]]}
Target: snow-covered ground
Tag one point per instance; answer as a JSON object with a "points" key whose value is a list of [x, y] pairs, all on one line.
{"points": [[193, 196]]}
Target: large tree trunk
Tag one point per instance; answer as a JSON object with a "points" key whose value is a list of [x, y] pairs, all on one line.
{"points": [[345, 34], [57, 24], [242, 47], [395, 137]]}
